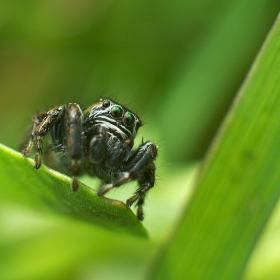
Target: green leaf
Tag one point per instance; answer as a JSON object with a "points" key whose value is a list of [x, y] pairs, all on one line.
{"points": [[238, 186], [49, 191]]}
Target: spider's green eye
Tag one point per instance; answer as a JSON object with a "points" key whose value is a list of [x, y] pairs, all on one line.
{"points": [[129, 119], [117, 112], [106, 103]]}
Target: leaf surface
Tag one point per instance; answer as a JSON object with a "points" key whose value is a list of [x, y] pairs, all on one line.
{"points": [[49, 191]]}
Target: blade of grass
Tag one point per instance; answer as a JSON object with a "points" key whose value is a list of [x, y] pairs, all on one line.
{"points": [[265, 261], [239, 184], [47, 190]]}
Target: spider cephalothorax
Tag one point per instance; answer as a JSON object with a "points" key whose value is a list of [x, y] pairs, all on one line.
{"points": [[97, 141]]}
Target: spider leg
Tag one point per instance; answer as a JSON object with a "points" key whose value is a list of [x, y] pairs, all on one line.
{"points": [[74, 140], [140, 166], [28, 141], [97, 144], [118, 153], [42, 123], [146, 182]]}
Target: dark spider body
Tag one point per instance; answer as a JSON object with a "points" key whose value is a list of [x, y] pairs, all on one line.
{"points": [[97, 141]]}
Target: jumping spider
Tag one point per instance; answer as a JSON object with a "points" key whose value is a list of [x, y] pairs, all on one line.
{"points": [[97, 141]]}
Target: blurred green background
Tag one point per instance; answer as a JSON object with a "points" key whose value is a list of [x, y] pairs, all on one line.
{"points": [[178, 64]]}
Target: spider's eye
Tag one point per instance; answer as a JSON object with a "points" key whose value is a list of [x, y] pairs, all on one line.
{"points": [[116, 112], [106, 103], [129, 119]]}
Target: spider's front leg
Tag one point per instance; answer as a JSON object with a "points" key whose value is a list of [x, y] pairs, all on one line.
{"points": [[41, 124], [146, 181], [26, 145], [140, 166], [74, 140], [111, 151]]}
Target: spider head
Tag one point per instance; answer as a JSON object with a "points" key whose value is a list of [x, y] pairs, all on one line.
{"points": [[115, 118]]}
